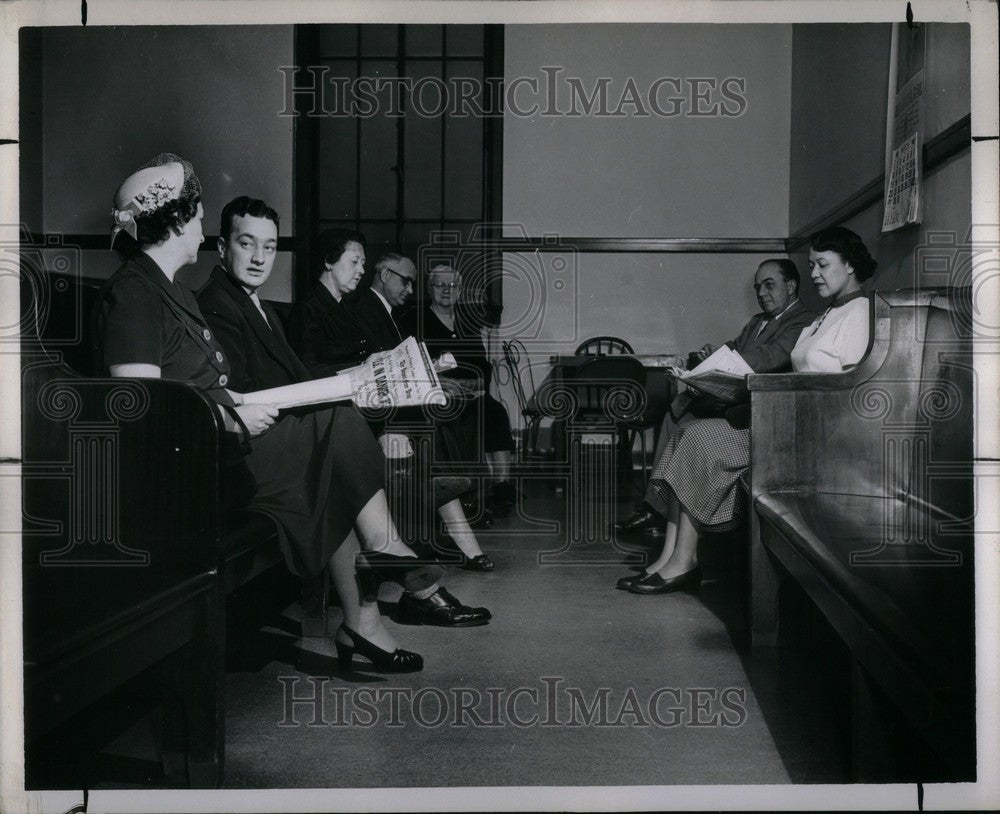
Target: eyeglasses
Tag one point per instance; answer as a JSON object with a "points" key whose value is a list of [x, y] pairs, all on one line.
{"points": [[441, 286], [407, 281]]}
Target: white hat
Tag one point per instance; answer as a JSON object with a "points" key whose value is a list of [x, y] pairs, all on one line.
{"points": [[162, 180]]}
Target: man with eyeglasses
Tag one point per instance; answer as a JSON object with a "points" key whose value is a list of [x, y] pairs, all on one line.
{"points": [[393, 282]]}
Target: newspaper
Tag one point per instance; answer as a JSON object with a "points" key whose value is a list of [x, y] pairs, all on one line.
{"points": [[401, 377], [724, 360], [722, 375]]}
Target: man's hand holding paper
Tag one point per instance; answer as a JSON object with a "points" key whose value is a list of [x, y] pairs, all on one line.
{"points": [[722, 375], [402, 377]]}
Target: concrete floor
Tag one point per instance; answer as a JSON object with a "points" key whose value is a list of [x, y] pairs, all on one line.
{"points": [[573, 683]]}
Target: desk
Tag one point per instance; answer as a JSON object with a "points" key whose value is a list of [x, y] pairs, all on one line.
{"points": [[651, 362], [660, 390]]}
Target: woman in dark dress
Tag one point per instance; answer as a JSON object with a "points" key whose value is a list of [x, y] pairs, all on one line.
{"points": [[318, 475], [322, 330], [446, 328]]}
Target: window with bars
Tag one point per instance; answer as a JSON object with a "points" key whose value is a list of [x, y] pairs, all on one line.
{"points": [[406, 145]]}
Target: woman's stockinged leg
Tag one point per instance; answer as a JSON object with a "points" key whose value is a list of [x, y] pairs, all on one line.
{"points": [[360, 615], [378, 534], [685, 554], [377, 529], [457, 526], [670, 537], [499, 463]]}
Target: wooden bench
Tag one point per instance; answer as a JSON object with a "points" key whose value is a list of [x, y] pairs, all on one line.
{"points": [[862, 493], [129, 552]]}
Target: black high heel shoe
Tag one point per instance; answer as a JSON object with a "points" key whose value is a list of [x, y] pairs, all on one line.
{"points": [[398, 661], [478, 563], [404, 571]]}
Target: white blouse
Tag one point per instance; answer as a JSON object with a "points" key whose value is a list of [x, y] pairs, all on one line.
{"points": [[836, 340]]}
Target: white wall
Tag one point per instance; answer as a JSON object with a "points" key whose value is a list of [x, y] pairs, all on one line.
{"points": [[662, 177], [652, 301], [651, 176]]}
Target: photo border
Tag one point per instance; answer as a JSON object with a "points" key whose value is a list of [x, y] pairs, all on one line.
{"points": [[981, 14]]}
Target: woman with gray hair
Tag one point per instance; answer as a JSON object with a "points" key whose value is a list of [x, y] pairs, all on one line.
{"points": [[447, 327]]}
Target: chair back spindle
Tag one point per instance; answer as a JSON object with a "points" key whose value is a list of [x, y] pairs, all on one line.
{"points": [[604, 346]]}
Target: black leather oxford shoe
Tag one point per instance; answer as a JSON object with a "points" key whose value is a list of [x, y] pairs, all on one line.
{"points": [[643, 520], [478, 563]]}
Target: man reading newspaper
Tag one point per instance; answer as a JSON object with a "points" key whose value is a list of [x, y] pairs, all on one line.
{"points": [[763, 346], [721, 376]]}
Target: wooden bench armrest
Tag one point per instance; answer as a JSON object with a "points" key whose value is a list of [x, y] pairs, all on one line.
{"points": [[954, 300], [878, 349], [837, 431], [138, 456]]}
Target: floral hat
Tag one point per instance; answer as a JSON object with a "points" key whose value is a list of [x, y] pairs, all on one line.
{"points": [[160, 181]]}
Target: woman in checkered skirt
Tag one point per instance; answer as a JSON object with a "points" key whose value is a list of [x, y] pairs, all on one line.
{"points": [[697, 474]]}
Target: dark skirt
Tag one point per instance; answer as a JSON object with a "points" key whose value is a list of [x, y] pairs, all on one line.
{"points": [[314, 473], [480, 425]]}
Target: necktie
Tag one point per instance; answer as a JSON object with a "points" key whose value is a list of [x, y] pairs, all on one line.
{"points": [[395, 327], [260, 307], [760, 329]]}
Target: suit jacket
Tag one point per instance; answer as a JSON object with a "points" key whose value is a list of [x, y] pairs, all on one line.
{"points": [[259, 354], [382, 332], [771, 352], [325, 333]]}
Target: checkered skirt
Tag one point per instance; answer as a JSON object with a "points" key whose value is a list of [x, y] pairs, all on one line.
{"points": [[702, 464]]}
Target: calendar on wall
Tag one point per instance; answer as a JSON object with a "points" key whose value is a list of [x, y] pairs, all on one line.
{"points": [[904, 130]]}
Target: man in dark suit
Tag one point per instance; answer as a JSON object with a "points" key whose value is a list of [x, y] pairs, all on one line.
{"points": [[765, 343], [375, 325], [394, 279], [252, 336]]}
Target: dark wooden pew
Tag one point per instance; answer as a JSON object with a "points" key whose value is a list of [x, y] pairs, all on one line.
{"points": [[863, 494], [128, 549]]}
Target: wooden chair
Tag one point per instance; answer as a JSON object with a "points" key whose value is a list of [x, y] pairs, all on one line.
{"points": [[609, 395], [589, 396], [603, 346]]}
